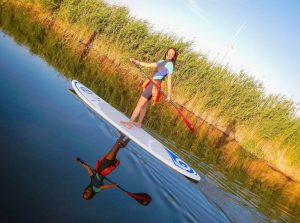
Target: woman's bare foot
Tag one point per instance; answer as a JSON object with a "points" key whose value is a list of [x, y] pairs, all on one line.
{"points": [[138, 125], [126, 124]]}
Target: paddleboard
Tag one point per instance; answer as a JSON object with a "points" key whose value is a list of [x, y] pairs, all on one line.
{"points": [[138, 135]]}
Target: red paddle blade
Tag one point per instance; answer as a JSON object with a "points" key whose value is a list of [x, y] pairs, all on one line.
{"points": [[142, 198], [186, 121]]}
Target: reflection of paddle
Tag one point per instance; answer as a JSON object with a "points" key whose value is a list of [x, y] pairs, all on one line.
{"points": [[142, 198], [189, 125]]}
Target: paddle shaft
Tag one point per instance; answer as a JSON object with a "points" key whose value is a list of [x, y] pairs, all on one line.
{"points": [[82, 162], [121, 188]]}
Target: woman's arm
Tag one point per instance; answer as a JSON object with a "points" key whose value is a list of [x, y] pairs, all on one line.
{"points": [[169, 87], [87, 167], [143, 63], [105, 186]]}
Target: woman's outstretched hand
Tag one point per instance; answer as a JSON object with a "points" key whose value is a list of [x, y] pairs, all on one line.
{"points": [[168, 98], [136, 62]]}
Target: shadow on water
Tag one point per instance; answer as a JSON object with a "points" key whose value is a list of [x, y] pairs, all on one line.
{"points": [[239, 198]]}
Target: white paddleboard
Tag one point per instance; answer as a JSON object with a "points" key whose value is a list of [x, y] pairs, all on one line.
{"points": [[138, 135]]}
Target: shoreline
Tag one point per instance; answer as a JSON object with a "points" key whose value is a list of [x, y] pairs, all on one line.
{"points": [[227, 149]]}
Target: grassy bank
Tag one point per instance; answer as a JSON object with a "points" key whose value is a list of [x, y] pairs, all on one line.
{"points": [[106, 70]]}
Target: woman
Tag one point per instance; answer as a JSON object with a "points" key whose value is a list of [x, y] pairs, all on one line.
{"points": [[103, 167], [164, 68]]}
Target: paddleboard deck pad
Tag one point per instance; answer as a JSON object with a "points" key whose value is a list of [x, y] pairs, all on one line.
{"points": [[138, 135]]}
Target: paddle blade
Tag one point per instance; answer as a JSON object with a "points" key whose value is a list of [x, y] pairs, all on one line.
{"points": [[189, 125], [142, 198]]}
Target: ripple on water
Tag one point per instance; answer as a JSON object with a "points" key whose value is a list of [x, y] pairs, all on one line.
{"points": [[175, 191]]}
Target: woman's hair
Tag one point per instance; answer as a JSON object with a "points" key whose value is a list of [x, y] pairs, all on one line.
{"points": [[175, 56], [92, 193]]}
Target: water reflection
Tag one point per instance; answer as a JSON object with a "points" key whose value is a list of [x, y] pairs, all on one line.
{"points": [[103, 167]]}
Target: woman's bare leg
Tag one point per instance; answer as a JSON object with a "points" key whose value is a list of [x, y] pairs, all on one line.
{"points": [[142, 115], [116, 147], [142, 102]]}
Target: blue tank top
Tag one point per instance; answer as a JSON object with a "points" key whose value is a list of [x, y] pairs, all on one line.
{"points": [[168, 68], [96, 182]]}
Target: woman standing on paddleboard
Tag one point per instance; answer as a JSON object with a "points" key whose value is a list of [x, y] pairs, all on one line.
{"points": [[164, 68], [103, 167]]}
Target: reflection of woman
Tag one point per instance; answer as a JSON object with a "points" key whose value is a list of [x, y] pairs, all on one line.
{"points": [[103, 167], [164, 68]]}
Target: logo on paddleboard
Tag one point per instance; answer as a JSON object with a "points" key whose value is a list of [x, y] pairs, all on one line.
{"points": [[86, 90], [180, 163]]}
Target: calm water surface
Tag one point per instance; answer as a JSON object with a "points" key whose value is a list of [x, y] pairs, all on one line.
{"points": [[43, 127]]}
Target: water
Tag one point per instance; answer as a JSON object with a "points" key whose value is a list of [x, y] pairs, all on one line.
{"points": [[44, 126]]}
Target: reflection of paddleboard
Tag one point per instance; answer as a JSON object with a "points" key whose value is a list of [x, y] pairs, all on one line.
{"points": [[138, 135]]}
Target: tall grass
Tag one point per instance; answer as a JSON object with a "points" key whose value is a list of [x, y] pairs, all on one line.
{"points": [[265, 125]]}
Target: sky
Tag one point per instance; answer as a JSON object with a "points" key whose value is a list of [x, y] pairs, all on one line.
{"points": [[260, 36]]}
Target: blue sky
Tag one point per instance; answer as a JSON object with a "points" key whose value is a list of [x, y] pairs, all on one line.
{"points": [[260, 36]]}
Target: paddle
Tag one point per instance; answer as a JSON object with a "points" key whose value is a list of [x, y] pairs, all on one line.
{"points": [[142, 198], [189, 125]]}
